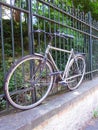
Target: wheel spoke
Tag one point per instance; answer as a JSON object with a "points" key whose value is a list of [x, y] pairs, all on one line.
{"points": [[29, 82], [75, 72]]}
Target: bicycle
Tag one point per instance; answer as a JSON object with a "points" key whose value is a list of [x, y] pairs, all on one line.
{"points": [[30, 79]]}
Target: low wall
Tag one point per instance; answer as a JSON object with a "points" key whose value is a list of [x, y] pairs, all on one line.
{"points": [[69, 111]]}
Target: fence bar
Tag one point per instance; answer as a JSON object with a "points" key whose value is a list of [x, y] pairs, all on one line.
{"points": [[30, 27], [2, 41], [50, 20], [12, 31], [90, 44]]}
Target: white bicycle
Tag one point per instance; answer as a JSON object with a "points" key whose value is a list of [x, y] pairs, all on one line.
{"points": [[31, 78]]}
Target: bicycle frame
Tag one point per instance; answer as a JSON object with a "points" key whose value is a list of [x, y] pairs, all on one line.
{"points": [[47, 53]]}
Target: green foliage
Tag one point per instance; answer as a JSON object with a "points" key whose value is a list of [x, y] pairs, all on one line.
{"points": [[95, 113], [2, 104], [7, 34], [1, 81], [86, 6]]}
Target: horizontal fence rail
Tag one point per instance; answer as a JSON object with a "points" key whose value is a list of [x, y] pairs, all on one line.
{"points": [[17, 38]]}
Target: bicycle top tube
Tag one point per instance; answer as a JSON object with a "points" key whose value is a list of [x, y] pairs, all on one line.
{"points": [[59, 34]]}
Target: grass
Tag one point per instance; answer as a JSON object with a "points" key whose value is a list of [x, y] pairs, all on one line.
{"points": [[95, 113]]}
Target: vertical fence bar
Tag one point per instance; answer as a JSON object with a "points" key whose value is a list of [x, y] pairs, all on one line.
{"points": [[90, 44], [31, 45], [2, 41], [30, 27], [12, 31], [21, 34]]}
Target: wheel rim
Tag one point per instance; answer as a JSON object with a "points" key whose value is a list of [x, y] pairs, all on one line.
{"points": [[19, 90], [74, 75]]}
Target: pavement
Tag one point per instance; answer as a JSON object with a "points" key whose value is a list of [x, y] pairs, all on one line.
{"points": [[92, 125]]}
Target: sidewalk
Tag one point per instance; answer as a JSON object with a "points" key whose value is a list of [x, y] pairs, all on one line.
{"points": [[92, 125]]}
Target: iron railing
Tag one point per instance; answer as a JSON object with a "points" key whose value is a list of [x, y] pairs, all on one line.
{"points": [[18, 20]]}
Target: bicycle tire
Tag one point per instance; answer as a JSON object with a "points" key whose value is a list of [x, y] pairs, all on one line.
{"points": [[75, 72], [25, 90]]}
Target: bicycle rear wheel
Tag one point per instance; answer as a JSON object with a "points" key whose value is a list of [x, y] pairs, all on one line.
{"points": [[75, 72], [28, 82]]}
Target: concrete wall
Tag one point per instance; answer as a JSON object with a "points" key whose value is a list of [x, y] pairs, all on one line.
{"points": [[69, 111], [75, 115]]}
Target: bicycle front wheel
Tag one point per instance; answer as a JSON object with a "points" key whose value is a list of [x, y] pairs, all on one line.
{"points": [[75, 72], [28, 82]]}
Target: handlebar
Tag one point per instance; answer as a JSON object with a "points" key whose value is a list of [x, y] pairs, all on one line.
{"points": [[55, 34]]}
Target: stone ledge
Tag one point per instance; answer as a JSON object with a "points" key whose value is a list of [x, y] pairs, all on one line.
{"points": [[77, 107]]}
